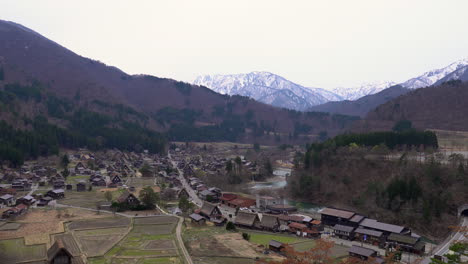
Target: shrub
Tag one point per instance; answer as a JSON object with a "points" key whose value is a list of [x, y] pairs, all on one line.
{"points": [[230, 226]]}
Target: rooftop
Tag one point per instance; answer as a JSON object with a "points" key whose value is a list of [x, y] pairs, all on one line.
{"points": [[337, 213]]}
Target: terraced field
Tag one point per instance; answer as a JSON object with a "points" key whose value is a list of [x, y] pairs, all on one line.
{"points": [[150, 240], [15, 251]]}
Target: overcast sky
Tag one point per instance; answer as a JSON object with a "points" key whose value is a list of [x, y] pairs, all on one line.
{"points": [[326, 43]]}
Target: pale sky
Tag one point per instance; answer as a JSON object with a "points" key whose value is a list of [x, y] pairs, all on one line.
{"points": [[325, 43]]}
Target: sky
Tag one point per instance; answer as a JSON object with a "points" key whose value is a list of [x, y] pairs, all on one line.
{"points": [[327, 43]]}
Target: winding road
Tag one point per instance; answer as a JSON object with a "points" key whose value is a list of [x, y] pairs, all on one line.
{"points": [[443, 248]]}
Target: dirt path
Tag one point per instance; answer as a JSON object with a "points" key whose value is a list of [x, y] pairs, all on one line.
{"points": [[188, 258]]}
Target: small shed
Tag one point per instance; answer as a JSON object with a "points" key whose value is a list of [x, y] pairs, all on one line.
{"points": [[198, 219], [276, 246], [362, 252]]}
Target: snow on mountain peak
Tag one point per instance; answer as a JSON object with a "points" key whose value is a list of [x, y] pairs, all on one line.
{"points": [[431, 77], [272, 89], [268, 88], [367, 88]]}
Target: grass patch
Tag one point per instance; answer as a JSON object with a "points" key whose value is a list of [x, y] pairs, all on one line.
{"points": [[76, 179], [223, 260], [160, 260], [135, 253], [264, 239], [114, 251], [303, 246], [97, 261]]}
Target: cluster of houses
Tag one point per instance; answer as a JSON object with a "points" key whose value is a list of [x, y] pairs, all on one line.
{"points": [[352, 226], [250, 213], [20, 206], [106, 169]]}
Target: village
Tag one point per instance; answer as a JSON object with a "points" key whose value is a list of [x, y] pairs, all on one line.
{"points": [[97, 181]]}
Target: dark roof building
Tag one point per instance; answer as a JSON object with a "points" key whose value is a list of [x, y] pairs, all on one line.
{"points": [[210, 210], [247, 219], [331, 216], [362, 252], [269, 222], [64, 251], [387, 229]]}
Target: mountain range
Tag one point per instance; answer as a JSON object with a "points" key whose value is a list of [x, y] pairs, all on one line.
{"points": [[42, 80], [277, 91], [268, 88]]}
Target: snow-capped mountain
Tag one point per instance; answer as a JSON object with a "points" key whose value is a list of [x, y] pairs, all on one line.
{"points": [[459, 74], [431, 77], [356, 92], [268, 88]]}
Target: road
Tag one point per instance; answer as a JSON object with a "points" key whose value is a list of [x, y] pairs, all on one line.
{"points": [[190, 191], [443, 248], [33, 189], [188, 258]]}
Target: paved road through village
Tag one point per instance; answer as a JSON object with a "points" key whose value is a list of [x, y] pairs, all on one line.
{"points": [[190, 191]]}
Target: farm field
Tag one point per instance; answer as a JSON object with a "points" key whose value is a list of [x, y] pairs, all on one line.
{"points": [[36, 226], [264, 238], [108, 222], [150, 240], [87, 199], [14, 251], [452, 140], [209, 244]]}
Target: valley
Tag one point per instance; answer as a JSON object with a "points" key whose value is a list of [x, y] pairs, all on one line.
{"points": [[104, 166]]}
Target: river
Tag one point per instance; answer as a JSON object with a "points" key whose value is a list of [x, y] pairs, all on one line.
{"points": [[280, 181]]}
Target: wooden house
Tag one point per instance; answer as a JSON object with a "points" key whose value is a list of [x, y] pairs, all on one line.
{"points": [[297, 228], [247, 220], [331, 216], [406, 243], [81, 186], [275, 246], [343, 232], [44, 201], [385, 228], [15, 211], [369, 236], [362, 252], [197, 219], [7, 200], [98, 181], [210, 211], [116, 179], [26, 200], [64, 251], [270, 223], [128, 198], [56, 194]]}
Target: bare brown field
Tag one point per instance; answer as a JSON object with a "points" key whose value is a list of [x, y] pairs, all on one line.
{"points": [[84, 199], [100, 223], [156, 220], [101, 231], [452, 140], [38, 224]]}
